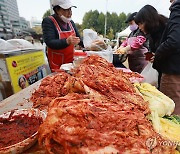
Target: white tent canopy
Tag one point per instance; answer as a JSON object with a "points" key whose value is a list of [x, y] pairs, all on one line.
{"points": [[124, 33]]}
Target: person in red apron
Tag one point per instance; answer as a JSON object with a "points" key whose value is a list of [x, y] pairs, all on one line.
{"points": [[60, 34]]}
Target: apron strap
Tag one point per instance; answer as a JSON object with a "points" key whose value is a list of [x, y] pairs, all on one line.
{"points": [[56, 24]]}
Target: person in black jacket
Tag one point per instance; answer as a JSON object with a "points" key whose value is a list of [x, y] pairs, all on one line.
{"points": [[152, 24], [60, 34], [167, 56]]}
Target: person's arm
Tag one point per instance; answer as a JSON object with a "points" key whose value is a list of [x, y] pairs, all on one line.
{"points": [[135, 44], [77, 34], [50, 35], [124, 43], [171, 43]]}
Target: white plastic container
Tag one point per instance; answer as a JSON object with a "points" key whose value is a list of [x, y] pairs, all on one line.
{"points": [[78, 58]]}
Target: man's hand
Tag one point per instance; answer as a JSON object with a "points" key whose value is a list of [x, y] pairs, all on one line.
{"points": [[73, 40]]}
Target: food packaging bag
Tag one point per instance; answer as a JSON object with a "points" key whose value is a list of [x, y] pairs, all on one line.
{"points": [[150, 75], [107, 54], [88, 37], [92, 41]]}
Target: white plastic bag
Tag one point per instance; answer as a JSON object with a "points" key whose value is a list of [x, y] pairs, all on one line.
{"points": [[6, 46], [88, 37], [150, 75], [92, 41], [107, 54]]}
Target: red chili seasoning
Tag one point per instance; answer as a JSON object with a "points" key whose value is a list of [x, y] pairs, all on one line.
{"points": [[17, 128]]}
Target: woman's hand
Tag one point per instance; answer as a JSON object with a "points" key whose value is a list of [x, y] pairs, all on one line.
{"points": [[72, 39], [150, 56], [123, 50]]}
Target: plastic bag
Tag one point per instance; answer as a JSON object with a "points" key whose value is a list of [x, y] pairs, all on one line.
{"points": [[107, 54], [21, 44], [6, 46], [88, 37], [92, 41], [150, 75]]}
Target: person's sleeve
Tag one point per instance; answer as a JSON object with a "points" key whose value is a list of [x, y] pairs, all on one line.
{"points": [[77, 34], [170, 45], [50, 35], [138, 42], [124, 43]]}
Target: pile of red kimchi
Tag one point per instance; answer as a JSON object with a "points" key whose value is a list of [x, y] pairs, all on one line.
{"points": [[95, 110]]}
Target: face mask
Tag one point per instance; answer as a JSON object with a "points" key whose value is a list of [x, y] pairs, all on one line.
{"points": [[66, 20], [133, 27]]}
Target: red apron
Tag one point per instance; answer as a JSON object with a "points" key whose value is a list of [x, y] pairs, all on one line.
{"points": [[58, 57]]}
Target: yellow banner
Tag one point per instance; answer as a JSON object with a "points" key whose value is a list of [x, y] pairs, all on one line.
{"points": [[26, 69]]}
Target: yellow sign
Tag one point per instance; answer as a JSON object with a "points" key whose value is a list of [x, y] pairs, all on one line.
{"points": [[26, 69]]}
